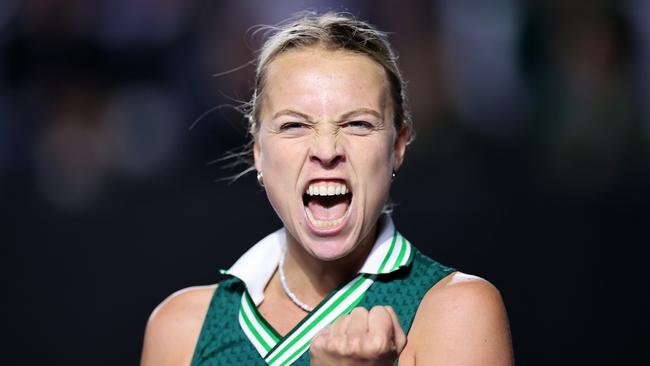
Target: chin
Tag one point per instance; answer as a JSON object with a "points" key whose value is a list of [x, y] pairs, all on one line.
{"points": [[340, 244], [329, 249]]}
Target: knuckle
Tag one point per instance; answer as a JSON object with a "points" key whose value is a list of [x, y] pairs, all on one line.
{"points": [[355, 344], [328, 344], [340, 346], [332, 344], [342, 321], [379, 313], [377, 344], [377, 309], [318, 343]]}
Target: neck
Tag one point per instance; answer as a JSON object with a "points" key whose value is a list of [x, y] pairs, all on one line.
{"points": [[312, 279]]}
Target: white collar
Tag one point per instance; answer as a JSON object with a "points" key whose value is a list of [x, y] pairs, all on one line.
{"points": [[256, 267]]}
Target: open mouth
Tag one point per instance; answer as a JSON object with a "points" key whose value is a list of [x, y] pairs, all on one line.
{"points": [[326, 203]]}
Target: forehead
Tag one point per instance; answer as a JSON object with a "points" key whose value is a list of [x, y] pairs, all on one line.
{"points": [[322, 81]]}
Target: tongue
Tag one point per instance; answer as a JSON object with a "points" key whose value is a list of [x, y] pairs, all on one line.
{"points": [[328, 208]]}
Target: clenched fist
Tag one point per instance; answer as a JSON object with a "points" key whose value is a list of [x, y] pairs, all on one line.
{"points": [[362, 337]]}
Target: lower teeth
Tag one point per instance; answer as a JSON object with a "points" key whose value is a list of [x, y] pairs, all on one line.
{"points": [[323, 223]]}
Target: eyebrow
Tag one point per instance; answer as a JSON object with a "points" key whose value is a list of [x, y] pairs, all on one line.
{"points": [[356, 112], [289, 112], [360, 111]]}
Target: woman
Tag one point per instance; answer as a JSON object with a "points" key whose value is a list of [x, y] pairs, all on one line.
{"points": [[338, 285]]}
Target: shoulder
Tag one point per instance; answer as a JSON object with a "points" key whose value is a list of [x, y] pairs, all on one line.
{"points": [[174, 326], [462, 292], [461, 320]]}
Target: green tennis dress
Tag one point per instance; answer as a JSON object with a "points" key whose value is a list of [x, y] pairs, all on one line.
{"points": [[235, 333]]}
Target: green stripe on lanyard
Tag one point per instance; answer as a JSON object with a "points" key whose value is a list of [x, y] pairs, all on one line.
{"points": [[314, 322], [252, 329], [260, 321]]}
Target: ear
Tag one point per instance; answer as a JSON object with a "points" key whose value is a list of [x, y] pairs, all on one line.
{"points": [[401, 141], [257, 154]]}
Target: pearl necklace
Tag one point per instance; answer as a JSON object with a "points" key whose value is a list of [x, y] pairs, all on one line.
{"points": [[287, 290]]}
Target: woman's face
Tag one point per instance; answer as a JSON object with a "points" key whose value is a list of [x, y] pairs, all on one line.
{"points": [[327, 147]]}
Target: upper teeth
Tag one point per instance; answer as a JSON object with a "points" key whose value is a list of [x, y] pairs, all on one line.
{"points": [[326, 189]]}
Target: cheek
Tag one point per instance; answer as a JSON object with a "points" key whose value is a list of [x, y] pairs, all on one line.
{"points": [[378, 157], [281, 157], [375, 167], [281, 164]]}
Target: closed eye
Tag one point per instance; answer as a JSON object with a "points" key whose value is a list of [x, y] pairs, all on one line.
{"points": [[359, 124], [291, 126]]}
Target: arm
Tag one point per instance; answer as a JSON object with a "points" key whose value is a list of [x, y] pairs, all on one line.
{"points": [[174, 326], [461, 321]]}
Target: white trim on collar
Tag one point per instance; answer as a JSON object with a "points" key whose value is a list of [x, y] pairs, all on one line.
{"points": [[256, 267]]}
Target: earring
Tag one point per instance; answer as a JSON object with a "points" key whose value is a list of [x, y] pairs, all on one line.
{"points": [[392, 178], [260, 178]]}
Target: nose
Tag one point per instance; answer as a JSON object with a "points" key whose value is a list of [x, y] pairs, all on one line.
{"points": [[326, 149]]}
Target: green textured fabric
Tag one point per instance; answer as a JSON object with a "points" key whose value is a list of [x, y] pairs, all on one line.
{"points": [[222, 342]]}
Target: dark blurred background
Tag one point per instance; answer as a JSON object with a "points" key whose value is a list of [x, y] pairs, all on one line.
{"points": [[531, 167]]}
